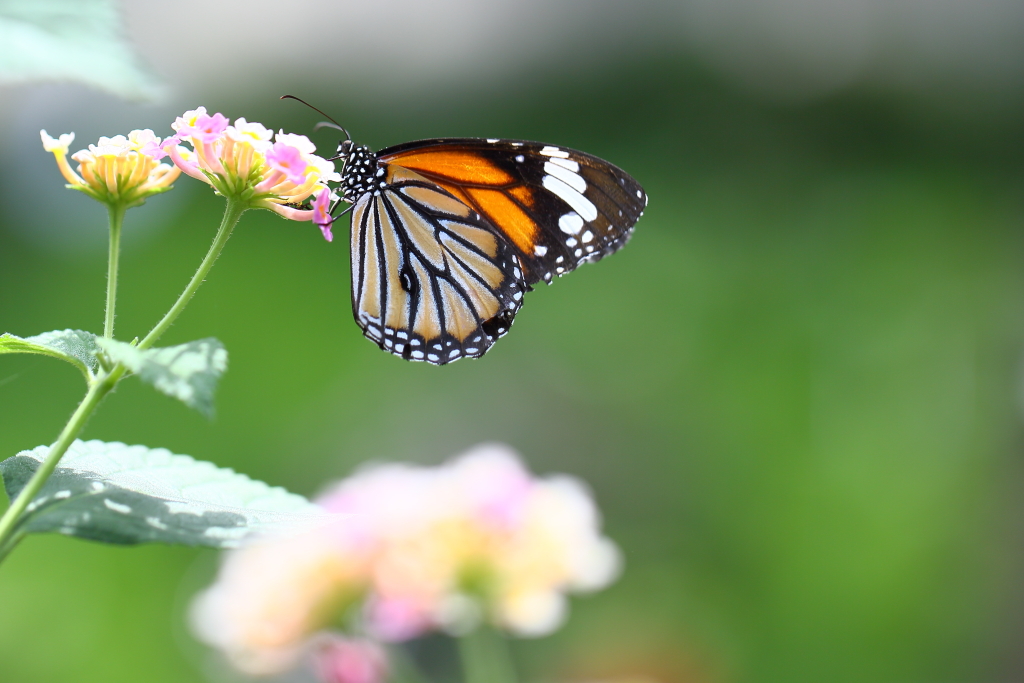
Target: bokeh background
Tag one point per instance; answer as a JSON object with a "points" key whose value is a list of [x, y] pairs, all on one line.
{"points": [[796, 393]]}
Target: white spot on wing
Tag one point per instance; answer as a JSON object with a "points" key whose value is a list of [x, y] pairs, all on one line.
{"points": [[566, 163], [540, 250], [578, 202], [554, 152], [570, 224], [565, 175], [492, 140]]}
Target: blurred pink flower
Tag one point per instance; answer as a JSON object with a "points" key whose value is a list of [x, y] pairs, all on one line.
{"points": [[350, 660], [478, 531], [418, 549]]}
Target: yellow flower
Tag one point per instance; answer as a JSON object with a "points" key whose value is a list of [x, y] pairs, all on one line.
{"points": [[119, 170]]}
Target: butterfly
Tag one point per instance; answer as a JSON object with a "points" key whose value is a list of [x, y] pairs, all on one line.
{"points": [[447, 235]]}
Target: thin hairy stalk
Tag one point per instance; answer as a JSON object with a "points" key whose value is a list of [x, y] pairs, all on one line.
{"points": [[232, 212], [97, 390], [116, 215], [485, 657]]}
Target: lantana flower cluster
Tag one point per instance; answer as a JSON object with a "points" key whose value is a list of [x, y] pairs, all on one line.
{"points": [[245, 161], [248, 161], [414, 549], [117, 171]]}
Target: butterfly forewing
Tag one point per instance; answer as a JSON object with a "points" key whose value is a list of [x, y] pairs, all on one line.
{"points": [[430, 278], [557, 208]]}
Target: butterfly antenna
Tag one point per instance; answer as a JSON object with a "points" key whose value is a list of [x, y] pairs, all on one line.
{"points": [[322, 123]]}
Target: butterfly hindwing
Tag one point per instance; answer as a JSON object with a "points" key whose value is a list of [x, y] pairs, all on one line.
{"points": [[556, 207], [430, 278]]}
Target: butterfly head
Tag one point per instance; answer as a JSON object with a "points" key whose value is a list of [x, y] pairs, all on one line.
{"points": [[360, 172], [344, 149]]}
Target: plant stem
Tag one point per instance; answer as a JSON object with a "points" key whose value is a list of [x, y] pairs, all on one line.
{"points": [[485, 657], [232, 212], [116, 215], [8, 546], [10, 534], [97, 390]]}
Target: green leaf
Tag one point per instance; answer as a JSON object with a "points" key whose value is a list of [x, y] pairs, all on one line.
{"points": [[188, 372], [71, 40], [75, 346], [114, 493]]}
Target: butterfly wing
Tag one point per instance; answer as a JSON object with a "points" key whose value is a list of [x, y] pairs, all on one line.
{"points": [[430, 279], [556, 207]]}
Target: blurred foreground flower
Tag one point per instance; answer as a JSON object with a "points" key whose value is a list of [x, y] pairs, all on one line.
{"points": [[350, 660], [248, 161], [475, 540], [116, 171]]}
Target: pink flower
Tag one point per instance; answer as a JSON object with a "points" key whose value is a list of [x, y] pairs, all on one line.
{"points": [[322, 217], [350, 660], [241, 161], [206, 128], [479, 530], [288, 160], [416, 549], [395, 619]]}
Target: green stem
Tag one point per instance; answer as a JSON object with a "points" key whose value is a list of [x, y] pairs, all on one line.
{"points": [[10, 533], [8, 523], [8, 546], [116, 215], [232, 212], [485, 657]]}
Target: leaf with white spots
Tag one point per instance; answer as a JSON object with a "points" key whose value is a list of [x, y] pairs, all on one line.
{"points": [[188, 372], [74, 346], [114, 493]]}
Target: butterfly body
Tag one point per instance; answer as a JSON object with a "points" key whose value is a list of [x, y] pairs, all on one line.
{"points": [[448, 235]]}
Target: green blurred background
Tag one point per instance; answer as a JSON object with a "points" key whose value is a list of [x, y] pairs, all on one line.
{"points": [[796, 393]]}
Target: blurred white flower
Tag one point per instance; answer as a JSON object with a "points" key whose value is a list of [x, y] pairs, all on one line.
{"points": [[418, 549]]}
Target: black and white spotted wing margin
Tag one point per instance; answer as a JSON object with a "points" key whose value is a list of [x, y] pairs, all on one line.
{"points": [[430, 280]]}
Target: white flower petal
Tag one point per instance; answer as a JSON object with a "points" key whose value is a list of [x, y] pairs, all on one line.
{"points": [[61, 144]]}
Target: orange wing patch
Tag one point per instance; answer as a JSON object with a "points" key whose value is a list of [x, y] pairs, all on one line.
{"points": [[506, 215], [458, 166], [523, 194]]}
